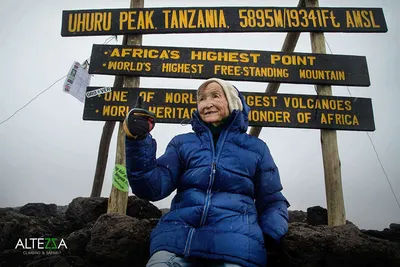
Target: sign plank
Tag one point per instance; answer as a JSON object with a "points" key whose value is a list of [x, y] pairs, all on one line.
{"points": [[281, 110], [241, 65], [221, 19]]}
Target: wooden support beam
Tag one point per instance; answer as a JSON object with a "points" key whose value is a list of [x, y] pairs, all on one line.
{"points": [[330, 153], [104, 145], [288, 46], [118, 200]]}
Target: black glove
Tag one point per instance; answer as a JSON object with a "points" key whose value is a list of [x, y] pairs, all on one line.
{"points": [[139, 122]]}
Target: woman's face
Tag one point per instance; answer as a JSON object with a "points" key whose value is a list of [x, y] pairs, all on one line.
{"points": [[212, 104]]}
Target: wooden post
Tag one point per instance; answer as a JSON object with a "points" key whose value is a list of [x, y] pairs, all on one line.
{"points": [[118, 200], [102, 156], [288, 46], [104, 147], [330, 154]]}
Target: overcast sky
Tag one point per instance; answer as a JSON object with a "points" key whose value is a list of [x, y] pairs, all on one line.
{"points": [[48, 153]]}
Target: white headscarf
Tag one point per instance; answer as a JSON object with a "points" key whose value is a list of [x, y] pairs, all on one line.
{"points": [[231, 93]]}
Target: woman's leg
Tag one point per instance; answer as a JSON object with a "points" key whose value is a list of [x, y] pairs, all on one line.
{"points": [[223, 264], [167, 259], [227, 264]]}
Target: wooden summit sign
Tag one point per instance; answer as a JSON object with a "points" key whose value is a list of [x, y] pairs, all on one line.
{"points": [[221, 19], [282, 110], [242, 65]]}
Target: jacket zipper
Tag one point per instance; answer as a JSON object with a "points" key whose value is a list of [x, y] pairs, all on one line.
{"points": [[188, 242], [210, 185], [208, 196]]}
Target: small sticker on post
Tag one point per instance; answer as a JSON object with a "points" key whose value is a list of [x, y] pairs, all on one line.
{"points": [[97, 92], [120, 180]]}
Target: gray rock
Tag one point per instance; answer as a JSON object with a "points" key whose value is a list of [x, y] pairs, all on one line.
{"points": [[4, 211], [102, 240], [54, 261], [343, 246], [395, 227], [297, 216], [76, 261], [142, 209], [386, 234], [62, 209], [14, 258], [119, 240], [317, 216], [39, 209], [15, 225], [83, 210], [78, 240]]}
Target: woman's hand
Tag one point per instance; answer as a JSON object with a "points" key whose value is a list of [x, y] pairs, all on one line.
{"points": [[139, 122]]}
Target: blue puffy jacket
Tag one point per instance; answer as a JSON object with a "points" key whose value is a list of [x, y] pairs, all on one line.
{"points": [[227, 195]]}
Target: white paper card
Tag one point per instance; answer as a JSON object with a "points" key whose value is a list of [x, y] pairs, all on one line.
{"points": [[76, 81]]}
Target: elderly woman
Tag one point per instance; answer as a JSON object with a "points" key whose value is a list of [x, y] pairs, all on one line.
{"points": [[228, 200]]}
